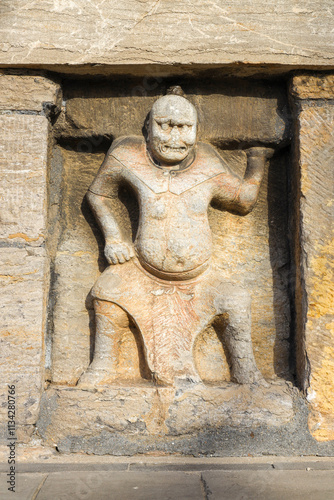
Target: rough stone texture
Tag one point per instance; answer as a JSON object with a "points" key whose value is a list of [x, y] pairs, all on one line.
{"points": [[228, 110], [312, 86], [68, 34], [26, 93], [76, 267], [75, 420], [23, 280], [23, 157], [314, 256], [24, 261]]}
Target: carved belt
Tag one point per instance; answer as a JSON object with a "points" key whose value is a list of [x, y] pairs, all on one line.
{"points": [[178, 276]]}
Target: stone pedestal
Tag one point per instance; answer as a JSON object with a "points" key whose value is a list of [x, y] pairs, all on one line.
{"points": [[127, 419]]}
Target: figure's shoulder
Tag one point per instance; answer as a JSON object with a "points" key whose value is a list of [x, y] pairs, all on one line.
{"points": [[207, 166], [207, 153], [209, 160], [129, 153], [128, 149]]}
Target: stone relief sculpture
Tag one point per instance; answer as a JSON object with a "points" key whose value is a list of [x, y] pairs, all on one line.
{"points": [[165, 282]]}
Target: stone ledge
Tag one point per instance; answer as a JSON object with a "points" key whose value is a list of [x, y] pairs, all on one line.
{"points": [[131, 419]]}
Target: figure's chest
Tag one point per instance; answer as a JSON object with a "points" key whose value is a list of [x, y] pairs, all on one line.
{"points": [[160, 181], [144, 174], [192, 203]]}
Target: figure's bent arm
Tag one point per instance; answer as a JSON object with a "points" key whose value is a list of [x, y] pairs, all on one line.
{"points": [[107, 209], [240, 195], [103, 209]]}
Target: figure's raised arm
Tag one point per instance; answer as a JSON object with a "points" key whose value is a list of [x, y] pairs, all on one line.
{"points": [[106, 206], [240, 195]]}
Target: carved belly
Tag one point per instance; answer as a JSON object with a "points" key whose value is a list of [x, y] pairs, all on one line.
{"points": [[174, 248]]}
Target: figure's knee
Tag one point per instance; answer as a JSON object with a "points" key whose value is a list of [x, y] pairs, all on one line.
{"points": [[232, 298], [111, 312]]}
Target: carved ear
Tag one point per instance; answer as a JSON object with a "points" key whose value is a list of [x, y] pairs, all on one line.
{"points": [[175, 90], [145, 128]]}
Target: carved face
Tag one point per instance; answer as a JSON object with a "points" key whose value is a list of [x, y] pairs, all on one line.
{"points": [[172, 129]]}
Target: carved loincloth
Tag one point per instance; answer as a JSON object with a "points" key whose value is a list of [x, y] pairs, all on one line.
{"points": [[169, 314]]}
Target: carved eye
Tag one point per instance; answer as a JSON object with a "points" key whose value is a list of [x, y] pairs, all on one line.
{"points": [[165, 126]]}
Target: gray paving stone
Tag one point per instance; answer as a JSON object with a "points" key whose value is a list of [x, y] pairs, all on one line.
{"points": [[273, 485], [122, 486], [315, 465], [198, 467], [25, 487]]}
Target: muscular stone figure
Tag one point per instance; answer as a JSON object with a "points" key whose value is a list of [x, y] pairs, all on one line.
{"points": [[165, 281]]}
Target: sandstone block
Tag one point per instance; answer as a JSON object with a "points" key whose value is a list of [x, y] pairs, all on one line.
{"points": [[228, 111], [23, 160], [24, 262], [73, 34], [315, 283], [135, 418], [27, 93], [313, 86], [22, 311]]}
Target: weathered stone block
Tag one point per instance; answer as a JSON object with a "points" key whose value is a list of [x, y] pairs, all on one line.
{"points": [[24, 148], [23, 160], [137, 417], [149, 33], [313, 86], [26, 93], [24, 273], [314, 256], [228, 111]]}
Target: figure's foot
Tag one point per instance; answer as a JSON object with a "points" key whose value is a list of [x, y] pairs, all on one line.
{"points": [[95, 377], [250, 375]]}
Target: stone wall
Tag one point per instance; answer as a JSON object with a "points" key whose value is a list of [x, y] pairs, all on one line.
{"points": [[258, 72]]}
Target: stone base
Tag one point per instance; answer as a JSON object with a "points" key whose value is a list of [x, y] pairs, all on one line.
{"points": [[192, 419]]}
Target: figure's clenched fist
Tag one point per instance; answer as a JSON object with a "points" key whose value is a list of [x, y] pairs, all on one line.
{"points": [[118, 252]]}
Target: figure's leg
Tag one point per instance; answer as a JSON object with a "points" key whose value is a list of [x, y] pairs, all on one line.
{"points": [[237, 305], [111, 322]]}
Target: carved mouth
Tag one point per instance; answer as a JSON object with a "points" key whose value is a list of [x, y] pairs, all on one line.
{"points": [[173, 149]]}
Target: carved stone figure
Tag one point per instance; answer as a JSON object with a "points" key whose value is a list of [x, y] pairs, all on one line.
{"points": [[165, 282]]}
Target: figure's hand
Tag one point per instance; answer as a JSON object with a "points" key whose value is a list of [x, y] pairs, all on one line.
{"points": [[260, 151], [118, 252]]}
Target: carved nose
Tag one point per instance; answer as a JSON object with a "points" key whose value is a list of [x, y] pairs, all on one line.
{"points": [[175, 132]]}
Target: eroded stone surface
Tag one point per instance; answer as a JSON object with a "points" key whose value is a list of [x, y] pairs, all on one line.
{"points": [[228, 110], [316, 151], [23, 159], [159, 412], [26, 93], [148, 33], [24, 261]]}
